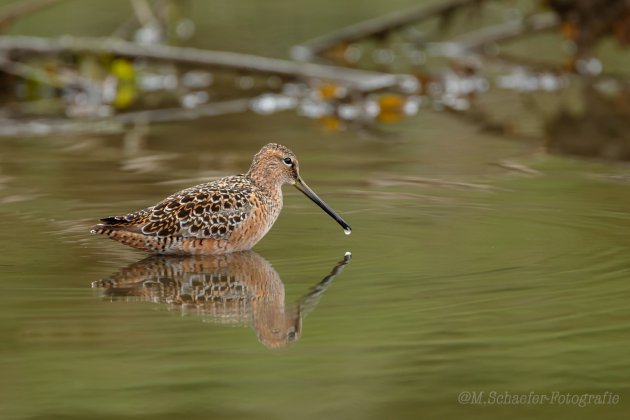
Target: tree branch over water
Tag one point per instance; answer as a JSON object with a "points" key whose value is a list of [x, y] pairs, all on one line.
{"points": [[360, 80], [378, 27]]}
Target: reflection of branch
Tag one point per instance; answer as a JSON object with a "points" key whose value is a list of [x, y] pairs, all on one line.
{"points": [[360, 80], [48, 126], [116, 123], [376, 27], [176, 114], [10, 13]]}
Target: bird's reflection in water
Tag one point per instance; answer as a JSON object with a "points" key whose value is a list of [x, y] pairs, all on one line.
{"points": [[238, 288]]}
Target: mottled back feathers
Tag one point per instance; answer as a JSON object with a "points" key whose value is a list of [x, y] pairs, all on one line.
{"points": [[211, 210]]}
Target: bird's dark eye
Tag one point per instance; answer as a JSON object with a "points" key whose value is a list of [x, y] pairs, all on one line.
{"points": [[288, 161]]}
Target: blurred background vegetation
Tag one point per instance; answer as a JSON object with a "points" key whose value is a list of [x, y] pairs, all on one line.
{"points": [[558, 65], [488, 253]]}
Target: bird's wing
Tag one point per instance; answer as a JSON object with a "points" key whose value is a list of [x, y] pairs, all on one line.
{"points": [[211, 210]]}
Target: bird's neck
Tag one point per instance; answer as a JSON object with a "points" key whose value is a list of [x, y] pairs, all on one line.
{"points": [[264, 178]]}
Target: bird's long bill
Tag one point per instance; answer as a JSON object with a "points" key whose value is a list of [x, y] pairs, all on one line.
{"points": [[300, 185]]}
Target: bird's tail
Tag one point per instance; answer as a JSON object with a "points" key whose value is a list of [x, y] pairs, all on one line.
{"points": [[124, 231]]}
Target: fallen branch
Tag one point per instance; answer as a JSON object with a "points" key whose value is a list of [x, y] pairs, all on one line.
{"points": [[144, 13], [478, 40], [377, 27], [359, 80]]}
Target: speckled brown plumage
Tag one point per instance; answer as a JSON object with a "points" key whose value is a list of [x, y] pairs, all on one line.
{"points": [[227, 215]]}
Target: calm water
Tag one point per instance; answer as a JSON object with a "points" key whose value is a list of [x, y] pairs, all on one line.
{"points": [[505, 282], [465, 275]]}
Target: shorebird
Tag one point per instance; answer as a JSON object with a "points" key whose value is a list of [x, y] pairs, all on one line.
{"points": [[227, 215]]}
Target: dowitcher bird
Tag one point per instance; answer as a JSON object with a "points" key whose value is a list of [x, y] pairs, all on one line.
{"points": [[240, 288], [227, 215]]}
